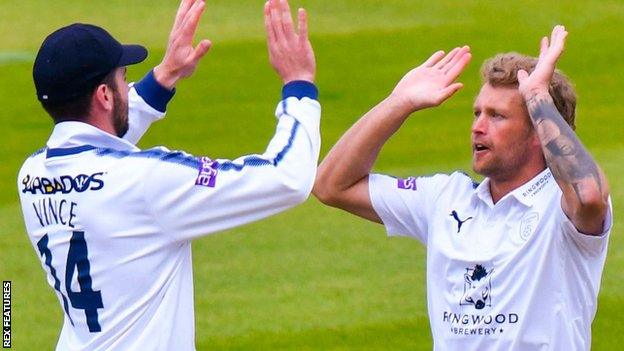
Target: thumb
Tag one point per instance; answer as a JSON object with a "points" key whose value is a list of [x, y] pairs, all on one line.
{"points": [[522, 75], [201, 50]]}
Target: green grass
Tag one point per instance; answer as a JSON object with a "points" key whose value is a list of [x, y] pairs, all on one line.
{"points": [[313, 278]]}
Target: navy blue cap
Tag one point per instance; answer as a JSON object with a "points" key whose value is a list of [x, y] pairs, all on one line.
{"points": [[74, 59]]}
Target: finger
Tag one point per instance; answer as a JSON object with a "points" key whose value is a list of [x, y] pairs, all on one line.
{"points": [[302, 24], [522, 75], [543, 48], [459, 66], [267, 23], [556, 33], [276, 21], [447, 58], [192, 20], [201, 50], [555, 49], [449, 91], [287, 22], [433, 59], [184, 7], [559, 43], [458, 56]]}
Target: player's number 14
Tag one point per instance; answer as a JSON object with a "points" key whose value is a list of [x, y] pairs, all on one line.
{"points": [[77, 257]]}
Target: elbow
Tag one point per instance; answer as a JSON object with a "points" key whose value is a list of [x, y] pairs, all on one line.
{"points": [[296, 189], [301, 194], [591, 206], [594, 204], [324, 193], [321, 189], [328, 189]]}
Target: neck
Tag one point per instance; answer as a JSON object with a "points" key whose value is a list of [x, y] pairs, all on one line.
{"points": [[102, 122]]}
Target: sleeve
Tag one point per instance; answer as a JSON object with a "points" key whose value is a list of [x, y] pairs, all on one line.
{"points": [[191, 197], [592, 245], [147, 103], [405, 205]]}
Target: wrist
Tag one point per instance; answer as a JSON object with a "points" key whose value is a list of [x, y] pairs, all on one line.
{"points": [[401, 105], [302, 77], [166, 77], [153, 93], [536, 93]]}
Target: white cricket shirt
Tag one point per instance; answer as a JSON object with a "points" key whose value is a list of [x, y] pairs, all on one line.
{"points": [[112, 224], [515, 275]]}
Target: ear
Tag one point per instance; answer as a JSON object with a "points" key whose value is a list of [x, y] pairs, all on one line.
{"points": [[102, 99]]}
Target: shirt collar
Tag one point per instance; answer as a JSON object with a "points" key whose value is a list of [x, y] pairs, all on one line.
{"points": [[73, 134], [482, 192], [526, 194]]}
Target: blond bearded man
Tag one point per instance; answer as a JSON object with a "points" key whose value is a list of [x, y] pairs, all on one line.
{"points": [[513, 263]]}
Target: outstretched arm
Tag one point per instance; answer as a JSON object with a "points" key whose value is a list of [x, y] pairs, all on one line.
{"points": [[584, 187], [148, 98], [342, 177], [229, 193]]}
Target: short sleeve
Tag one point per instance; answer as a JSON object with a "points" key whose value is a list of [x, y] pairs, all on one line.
{"points": [[404, 205], [591, 244]]}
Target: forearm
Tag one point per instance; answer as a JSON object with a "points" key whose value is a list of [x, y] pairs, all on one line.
{"points": [[584, 187], [147, 102], [354, 155]]}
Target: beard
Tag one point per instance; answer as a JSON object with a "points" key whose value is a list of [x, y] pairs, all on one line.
{"points": [[120, 114], [503, 167]]}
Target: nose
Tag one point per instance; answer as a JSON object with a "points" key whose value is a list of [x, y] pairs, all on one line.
{"points": [[479, 125]]}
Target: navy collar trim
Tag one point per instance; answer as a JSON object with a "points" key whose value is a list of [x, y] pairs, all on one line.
{"points": [[68, 151]]}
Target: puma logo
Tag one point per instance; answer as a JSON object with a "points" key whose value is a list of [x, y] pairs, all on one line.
{"points": [[460, 222]]}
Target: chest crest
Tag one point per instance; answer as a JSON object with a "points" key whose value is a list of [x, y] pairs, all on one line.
{"points": [[528, 225]]}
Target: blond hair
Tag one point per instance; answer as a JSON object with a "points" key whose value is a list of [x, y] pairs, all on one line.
{"points": [[502, 70]]}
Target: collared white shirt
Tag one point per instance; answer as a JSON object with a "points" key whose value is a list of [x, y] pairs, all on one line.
{"points": [[112, 224], [515, 275]]}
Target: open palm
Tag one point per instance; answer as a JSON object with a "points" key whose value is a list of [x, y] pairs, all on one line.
{"points": [[431, 83], [539, 79]]}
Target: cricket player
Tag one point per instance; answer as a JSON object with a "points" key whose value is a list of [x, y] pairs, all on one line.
{"points": [[113, 224], [513, 263]]}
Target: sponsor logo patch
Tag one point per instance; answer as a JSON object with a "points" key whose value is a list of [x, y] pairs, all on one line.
{"points": [[477, 287], [460, 221], [409, 183], [64, 184], [207, 173]]}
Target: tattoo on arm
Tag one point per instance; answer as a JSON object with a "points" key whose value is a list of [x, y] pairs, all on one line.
{"points": [[571, 164]]}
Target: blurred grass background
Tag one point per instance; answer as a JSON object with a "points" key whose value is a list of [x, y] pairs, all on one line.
{"points": [[313, 278]]}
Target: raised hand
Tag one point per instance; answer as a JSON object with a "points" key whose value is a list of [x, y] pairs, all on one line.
{"points": [[290, 51], [181, 58], [431, 83], [539, 80]]}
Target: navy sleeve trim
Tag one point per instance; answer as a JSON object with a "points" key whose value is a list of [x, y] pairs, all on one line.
{"points": [[300, 89], [153, 93]]}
